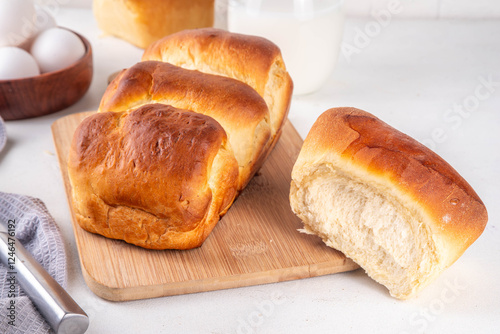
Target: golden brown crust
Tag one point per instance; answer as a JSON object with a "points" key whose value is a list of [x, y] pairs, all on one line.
{"points": [[153, 81], [238, 82], [250, 59], [142, 22], [236, 106], [372, 149], [238, 53], [134, 178]]}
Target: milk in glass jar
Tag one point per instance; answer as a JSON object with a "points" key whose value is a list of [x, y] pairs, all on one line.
{"points": [[308, 32]]}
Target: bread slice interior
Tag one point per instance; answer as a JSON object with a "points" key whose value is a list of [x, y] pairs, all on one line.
{"points": [[369, 223]]}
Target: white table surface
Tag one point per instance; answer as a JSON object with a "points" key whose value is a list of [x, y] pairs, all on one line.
{"points": [[411, 75]]}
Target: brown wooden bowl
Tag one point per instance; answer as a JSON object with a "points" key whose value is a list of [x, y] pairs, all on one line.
{"points": [[48, 92]]}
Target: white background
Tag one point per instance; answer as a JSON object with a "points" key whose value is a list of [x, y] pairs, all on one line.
{"points": [[364, 8], [410, 74]]}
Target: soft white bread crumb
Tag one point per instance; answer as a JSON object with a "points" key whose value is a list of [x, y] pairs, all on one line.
{"points": [[384, 200]]}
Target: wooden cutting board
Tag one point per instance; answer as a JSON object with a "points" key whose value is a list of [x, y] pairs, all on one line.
{"points": [[256, 242]]}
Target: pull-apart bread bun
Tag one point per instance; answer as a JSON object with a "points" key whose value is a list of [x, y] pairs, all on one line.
{"points": [[236, 106], [156, 176], [250, 59], [171, 147], [383, 199]]}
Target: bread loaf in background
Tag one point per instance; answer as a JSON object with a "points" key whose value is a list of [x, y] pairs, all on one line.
{"points": [[383, 199], [171, 147], [141, 22]]}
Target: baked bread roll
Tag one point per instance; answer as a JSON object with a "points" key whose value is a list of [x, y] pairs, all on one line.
{"points": [[142, 22], [236, 106], [383, 199], [134, 176], [250, 59], [171, 147]]}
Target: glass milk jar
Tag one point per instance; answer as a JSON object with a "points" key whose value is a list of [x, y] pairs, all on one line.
{"points": [[308, 32]]}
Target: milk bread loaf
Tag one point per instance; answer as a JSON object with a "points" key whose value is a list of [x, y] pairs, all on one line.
{"points": [[170, 147], [383, 199], [142, 22]]}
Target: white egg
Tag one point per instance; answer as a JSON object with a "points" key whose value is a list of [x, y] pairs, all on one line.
{"points": [[17, 19], [57, 48], [16, 63]]}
